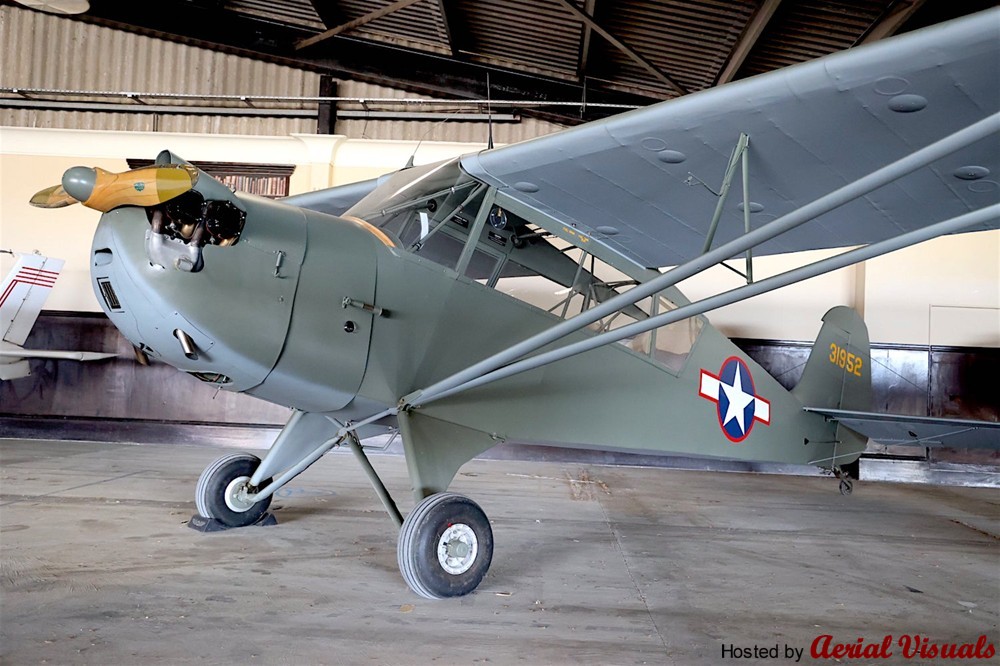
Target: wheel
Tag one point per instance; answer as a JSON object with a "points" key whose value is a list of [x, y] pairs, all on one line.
{"points": [[445, 546], [846, 486], [220, 487]]}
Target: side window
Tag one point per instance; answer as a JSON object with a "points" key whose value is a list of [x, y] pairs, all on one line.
{"points": [[669, 345], [527, 285], [481, 267], [442, 249], [566, 281]]}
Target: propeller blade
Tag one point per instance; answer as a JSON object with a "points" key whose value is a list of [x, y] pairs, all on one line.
{"points": [[52, 197], [146, 186]]}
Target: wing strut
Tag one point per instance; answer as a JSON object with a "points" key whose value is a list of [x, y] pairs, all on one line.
{"points": [[727, 298], [740, 154], [878, 178]]}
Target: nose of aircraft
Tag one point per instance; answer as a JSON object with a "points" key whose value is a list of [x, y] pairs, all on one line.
{"points": [[79, 182]]}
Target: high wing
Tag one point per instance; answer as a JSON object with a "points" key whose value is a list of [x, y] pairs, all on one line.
{"points": [[918, 430], [645, 183]]}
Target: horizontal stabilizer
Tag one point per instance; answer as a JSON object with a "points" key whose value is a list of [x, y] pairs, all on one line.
{"points": [[917, 430], [57, 354]]}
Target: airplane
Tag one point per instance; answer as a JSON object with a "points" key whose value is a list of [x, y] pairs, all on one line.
{"points": [[22, 295], [528, 292]]}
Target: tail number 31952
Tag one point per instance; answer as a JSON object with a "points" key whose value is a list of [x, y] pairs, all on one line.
{"points": [[846, 360]]}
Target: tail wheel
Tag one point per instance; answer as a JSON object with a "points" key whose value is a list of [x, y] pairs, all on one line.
{"points": [[445, 546], [222, 489]]}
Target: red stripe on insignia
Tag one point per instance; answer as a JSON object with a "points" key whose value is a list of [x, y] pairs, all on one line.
{"points": [[766, 419]]}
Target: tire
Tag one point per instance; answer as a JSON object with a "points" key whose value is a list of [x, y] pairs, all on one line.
{"points": [[214, 485], [445, 546]]}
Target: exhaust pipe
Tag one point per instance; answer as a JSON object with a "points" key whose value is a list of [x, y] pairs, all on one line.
{"points": [[187, 344]]}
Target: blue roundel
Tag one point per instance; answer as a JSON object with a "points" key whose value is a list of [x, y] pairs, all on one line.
{"points": [[736, 394]]}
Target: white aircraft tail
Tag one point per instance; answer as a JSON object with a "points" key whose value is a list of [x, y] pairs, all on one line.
{"points": [[23, 294]]}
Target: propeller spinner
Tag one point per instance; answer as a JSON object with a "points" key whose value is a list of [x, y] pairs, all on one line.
{"points": [[103, 190]]}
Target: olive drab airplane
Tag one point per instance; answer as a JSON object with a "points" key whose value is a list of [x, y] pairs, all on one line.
{"points": [[22, 296], [523, 292]]}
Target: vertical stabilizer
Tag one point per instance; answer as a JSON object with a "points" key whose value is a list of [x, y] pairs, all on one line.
{"points": [[838, 372], [23, 294]]}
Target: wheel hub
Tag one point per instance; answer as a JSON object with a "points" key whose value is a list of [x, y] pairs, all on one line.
{"points": [[236, 494], [457, 549]]}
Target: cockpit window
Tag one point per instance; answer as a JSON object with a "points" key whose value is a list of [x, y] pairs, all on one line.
{"points": [[565, 280], [432, 210]]}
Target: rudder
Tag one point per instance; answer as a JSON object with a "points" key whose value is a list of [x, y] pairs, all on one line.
{"points": [[838, 372]]}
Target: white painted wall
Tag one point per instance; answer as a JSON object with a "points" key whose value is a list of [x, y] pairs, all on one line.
{"points": [[944, 292]]}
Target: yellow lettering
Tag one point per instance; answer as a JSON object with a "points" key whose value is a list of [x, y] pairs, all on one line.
{"points": [[849, 361]]}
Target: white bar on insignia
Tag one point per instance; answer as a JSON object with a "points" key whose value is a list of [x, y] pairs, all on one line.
{"points": [[762, 410], [709, 386]]}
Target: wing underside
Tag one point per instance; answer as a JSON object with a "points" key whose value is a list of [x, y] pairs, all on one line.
{"points": [[646, 183], [917, 430]]}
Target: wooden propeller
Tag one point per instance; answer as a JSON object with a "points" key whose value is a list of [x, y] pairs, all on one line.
{"points": [[103, 190]]}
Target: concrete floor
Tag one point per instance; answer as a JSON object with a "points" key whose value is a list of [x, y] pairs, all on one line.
{"points": [[603, 565]]}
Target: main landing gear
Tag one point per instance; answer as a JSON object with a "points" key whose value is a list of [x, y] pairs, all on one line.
{"points": [[445, 544]]}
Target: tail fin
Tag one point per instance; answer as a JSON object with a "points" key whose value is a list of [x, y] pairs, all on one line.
{"points": [[23, 294], [838, 372]]}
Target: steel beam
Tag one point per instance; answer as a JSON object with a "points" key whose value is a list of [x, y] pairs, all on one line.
{"points": [[589, 21], [891, 20], [356, 23], [122, 107], [747, 40], [346, 57]]}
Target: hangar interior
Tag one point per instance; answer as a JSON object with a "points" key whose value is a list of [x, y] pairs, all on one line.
{"points": [[248, 107], [290, 96]]}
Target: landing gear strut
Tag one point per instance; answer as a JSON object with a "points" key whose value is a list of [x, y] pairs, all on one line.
{"points": [[847, 473], [445, 544]]}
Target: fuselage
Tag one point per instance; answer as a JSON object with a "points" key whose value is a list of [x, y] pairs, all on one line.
{"points": [[331, 315]]}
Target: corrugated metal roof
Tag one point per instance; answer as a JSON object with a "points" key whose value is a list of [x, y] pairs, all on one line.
{"points": [[556, 50], [689, 40], [287, 12], [539, 35], [419, 26], [809, 29]]}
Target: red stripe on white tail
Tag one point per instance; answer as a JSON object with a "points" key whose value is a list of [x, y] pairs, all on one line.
{"points": [[23, 294]]}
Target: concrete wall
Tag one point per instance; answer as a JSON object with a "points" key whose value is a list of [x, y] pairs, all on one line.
{"points": [[944, 292]]}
